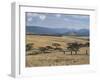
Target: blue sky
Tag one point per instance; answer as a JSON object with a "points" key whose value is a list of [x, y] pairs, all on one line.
{"points": [[56, 20]]}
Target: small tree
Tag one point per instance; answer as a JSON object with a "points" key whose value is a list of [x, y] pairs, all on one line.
{"points": [[63, 50], [29, 46], [56, 45], [76, 47], [70, 48], [73, 47]]}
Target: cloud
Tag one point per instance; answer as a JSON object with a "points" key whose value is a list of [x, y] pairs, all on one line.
{"points": [[29, 19], [42, 17], [29, 14], [58, 15], [36, 15], [58, 20]]}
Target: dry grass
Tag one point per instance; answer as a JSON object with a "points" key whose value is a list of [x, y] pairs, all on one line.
{"points": [[56, 58]]}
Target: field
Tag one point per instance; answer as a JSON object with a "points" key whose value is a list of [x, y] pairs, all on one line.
{"points": [[56, 57]]}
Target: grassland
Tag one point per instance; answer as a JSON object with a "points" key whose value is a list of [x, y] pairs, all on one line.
{"points": [[56, 57]]}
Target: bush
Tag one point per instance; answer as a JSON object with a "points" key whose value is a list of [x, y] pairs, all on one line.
{"points": [[29, 46], [42, 49], [49, 47]]}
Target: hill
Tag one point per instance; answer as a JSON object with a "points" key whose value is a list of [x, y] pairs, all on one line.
{"points": [[56, 31]]}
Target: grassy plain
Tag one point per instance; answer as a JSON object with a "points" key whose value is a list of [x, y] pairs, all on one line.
{"points": [[56, 58]]}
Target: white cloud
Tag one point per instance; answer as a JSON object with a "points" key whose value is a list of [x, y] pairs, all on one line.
{"points": [[42, 17], [58, 15], [29, 19]]}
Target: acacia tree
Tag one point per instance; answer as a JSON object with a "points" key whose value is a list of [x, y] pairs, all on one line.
{"points": [[56, 45], [73, 47], [76, 47], [70, 48]]}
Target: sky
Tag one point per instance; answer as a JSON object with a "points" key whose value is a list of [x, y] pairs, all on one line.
{"points": [[57, 20]]}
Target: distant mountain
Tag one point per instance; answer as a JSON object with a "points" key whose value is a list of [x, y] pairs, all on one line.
{"points": [[56, 31], [42, 30], [39, 30], [83, 32], [80, 32]]}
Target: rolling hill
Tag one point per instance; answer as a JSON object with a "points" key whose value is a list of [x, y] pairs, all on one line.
{"points": [[55, 31]]}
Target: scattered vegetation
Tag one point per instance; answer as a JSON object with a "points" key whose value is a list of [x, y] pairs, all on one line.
{"points": [[42, 49], [72, 47], [29, 46], [51, 50]]}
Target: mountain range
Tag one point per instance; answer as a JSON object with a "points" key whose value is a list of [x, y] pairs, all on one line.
{"points": [[56, 31]]}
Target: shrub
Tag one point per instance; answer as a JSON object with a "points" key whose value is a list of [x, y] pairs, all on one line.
{"points": [[49, 47], [42, 49], [29, 46]]}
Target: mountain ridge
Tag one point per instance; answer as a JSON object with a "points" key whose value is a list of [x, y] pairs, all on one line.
{"points": [[56, 31]]}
